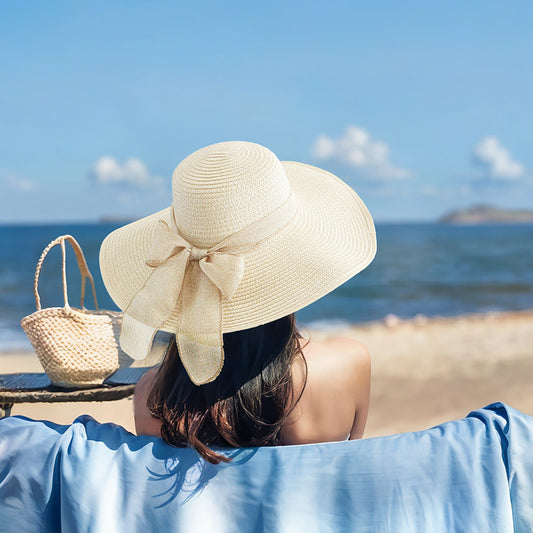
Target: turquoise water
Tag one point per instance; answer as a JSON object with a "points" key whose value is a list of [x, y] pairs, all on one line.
{"points": [[419, 268]]}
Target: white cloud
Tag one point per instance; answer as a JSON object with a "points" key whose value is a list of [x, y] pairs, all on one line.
{"points": [[18, 184], [496, 160], [358, 150], [107, 171]]}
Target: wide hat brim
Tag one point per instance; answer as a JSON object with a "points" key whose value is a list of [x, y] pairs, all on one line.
{"points": [[329, 240]]}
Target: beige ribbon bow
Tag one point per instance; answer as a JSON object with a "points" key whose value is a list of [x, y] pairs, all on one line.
{"points": [[195, 281]]}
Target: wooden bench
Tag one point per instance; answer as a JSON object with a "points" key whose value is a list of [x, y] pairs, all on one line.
{"points": [[32, 387]]}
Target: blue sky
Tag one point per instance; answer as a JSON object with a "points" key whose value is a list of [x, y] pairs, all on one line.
{"points": [[420, 106]]}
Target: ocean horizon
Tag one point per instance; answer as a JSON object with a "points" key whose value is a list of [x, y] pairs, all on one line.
{"points": [[421, 268]]}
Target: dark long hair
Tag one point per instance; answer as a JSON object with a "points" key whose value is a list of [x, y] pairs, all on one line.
{"points": [[246, 405]]}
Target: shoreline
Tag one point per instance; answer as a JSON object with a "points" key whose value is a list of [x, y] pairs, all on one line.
{"points": [[391, 320], [424, 370], [330, 327]]}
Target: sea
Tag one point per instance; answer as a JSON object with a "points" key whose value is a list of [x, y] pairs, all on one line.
{"points": [[420, 269]]}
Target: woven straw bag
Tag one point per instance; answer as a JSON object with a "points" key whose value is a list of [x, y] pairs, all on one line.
{"points": [[77, 347]]}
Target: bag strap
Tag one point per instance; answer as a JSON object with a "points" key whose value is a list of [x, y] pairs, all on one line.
{"points": [[82, 265]]}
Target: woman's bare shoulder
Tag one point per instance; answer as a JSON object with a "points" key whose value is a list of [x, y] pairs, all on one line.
{"points": [[355, 362], [342, 364], [145, 423], [335, 398], [342, 356]]}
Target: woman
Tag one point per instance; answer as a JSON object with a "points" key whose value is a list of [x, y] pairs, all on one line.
{"points": [[247, 242]]}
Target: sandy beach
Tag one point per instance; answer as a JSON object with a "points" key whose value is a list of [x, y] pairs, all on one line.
{"points": [[424, 371]]}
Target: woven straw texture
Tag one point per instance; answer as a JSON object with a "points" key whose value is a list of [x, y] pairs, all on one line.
{"points": [[77, 347], [225, 187]]}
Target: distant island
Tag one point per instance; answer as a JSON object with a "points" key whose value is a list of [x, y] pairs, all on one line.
{"points": [[486, 214]]}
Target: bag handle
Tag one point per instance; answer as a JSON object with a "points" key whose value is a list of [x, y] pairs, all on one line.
{"points": [[82, 265]]}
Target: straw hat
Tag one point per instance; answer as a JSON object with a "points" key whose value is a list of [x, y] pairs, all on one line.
{"points": [[247, 240]]}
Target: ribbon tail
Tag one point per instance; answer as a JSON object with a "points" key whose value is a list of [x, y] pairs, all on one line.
{"points": [[199, 336], [152, 306], [136, 338]]}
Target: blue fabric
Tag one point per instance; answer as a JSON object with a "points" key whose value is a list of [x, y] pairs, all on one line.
{"points": [[470, 475]]}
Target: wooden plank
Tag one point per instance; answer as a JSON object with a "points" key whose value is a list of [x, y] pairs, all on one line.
{"points": [[100, 394], [36, 381], [36, 387]]}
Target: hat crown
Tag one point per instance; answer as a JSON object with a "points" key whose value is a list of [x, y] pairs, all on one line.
{"points": [[223, 188]]}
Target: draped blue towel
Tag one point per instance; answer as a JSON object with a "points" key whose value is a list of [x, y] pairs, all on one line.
{"points": [[470, 475]]}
